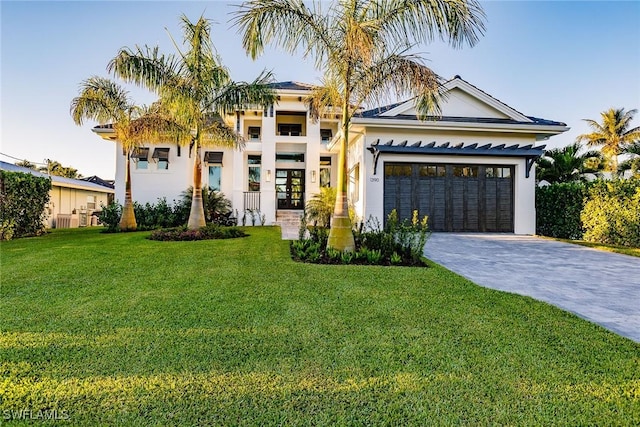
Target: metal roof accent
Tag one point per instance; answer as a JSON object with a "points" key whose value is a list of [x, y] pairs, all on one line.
{"points": [[161, 154], [528, 152], [290, 85], [140, 153], [213, 157]]}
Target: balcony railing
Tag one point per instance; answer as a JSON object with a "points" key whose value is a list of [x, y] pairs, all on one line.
{"points": [[251, 200]]}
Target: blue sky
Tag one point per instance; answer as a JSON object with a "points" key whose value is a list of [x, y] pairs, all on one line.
{"points": [[559, 60]]}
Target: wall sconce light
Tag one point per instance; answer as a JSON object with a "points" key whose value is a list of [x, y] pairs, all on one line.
{"points": [[313, 176], [268, 176]]}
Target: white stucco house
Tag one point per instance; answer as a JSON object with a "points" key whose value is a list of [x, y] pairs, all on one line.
{"points": [[471, 169]]}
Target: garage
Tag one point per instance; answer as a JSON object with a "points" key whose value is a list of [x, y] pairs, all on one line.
{"points": [[455, 196]]}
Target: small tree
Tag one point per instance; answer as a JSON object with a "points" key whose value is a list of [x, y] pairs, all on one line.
{"points": [[319, 208]]}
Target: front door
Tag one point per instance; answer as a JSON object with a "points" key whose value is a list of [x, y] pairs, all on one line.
{"points": [[290, 188]]}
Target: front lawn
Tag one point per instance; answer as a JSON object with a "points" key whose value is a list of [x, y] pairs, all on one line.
{"points": [[116, 329]]}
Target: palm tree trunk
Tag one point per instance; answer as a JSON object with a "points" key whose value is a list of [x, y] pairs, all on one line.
{"points": [[196, 215], [341, 234], [128, 218]]}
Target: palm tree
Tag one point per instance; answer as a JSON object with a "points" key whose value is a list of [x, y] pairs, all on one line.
{"points": [[363, 48], [633, 162], [26, 164], [198, 91], [567, 164], [107, 102], [54, 167], [613, 134]]}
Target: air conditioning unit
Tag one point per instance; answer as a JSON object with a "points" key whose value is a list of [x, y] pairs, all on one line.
{"points": [[63, 221]]}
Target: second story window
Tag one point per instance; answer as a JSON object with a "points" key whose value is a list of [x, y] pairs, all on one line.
{"points": [[292, 129], [326, 135], [254, 133], [325, 171]]}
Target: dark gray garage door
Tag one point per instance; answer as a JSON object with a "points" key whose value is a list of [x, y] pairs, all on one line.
{"points": [[456, 197]]}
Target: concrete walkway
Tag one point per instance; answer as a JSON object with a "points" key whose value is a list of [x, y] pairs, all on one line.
{"points": [[599, 286]]}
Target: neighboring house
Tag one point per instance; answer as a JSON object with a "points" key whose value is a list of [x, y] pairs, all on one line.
{"points": [[470, 169], [71, 201]]}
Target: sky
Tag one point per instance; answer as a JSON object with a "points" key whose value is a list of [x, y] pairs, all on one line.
{"points": [[558, 60]]}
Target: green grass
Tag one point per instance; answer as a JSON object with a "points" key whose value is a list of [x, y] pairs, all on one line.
{"points": [[115, 329], [603, 247]]}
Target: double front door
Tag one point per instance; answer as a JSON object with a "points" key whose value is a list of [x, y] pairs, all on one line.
{"points": [[290, 188]]}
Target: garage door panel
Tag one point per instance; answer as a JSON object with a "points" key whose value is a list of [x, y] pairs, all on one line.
{"points": [[470, 208], [454, 197]]}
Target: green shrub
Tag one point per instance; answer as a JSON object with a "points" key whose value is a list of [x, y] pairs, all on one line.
{"points": [[109, 216], [148, 216], [211, 231], [558, 208], [23, 198], [611, 214]]}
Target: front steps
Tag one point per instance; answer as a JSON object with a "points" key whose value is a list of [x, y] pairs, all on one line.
{"points": [[289, 222]]}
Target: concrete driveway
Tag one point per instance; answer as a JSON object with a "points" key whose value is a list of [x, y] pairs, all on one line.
{"points": [[599, 286]]}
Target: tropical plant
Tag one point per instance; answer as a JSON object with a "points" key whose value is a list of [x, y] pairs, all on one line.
{"points": [[319, 208], [55, 168], [27, 164], [567, 164], [197, 90], [105, 101], [363, 48], [214, 202], [632, 163], [613, 134]]}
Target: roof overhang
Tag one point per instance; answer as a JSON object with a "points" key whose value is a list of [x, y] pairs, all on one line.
{"points": [[540, 130], [105, 133], [78, 186], [528, 152]]}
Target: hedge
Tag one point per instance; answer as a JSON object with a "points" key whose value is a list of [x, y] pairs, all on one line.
{"points": [[611, 213], [23, 198], [558, 208]]}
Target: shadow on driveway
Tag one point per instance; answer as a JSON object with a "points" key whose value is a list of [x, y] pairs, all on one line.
{"points": [[599, 286]]}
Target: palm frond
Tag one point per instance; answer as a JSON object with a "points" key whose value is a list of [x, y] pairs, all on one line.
{"points": [[404, 76], [454, 21], [240, 95], [286, 23], [101, 100], [144, 67], [324, 97], [217, 134]]}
